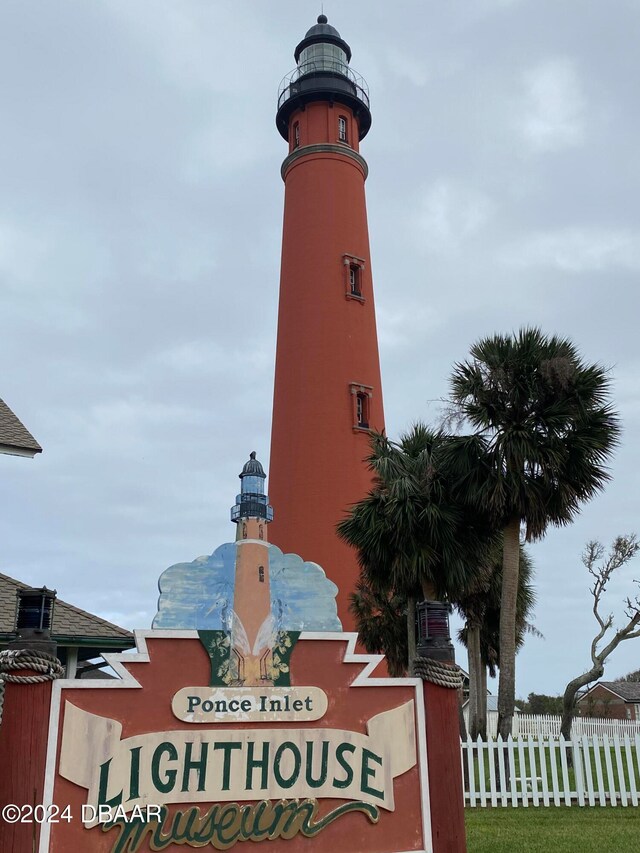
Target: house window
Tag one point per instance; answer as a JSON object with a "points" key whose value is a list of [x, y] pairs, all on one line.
{"points": [[354, 268], [296, 135], [342, 129], [361, 397]]}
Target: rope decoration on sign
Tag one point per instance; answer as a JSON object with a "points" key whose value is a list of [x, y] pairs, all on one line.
{"points": [[442, 674], [47, 666]]}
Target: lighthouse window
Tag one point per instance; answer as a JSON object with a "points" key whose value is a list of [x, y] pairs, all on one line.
{"points": [[362, 416], [361, 397], [296, 134], [323, 57], [342, 129], [261, 574], [253, 485], [353, 271], [354, 280]]}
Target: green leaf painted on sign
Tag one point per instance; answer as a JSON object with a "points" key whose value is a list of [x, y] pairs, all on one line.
{"points": [[224, 666]]}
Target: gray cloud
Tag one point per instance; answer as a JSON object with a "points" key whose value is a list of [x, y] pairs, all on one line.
{"points": [[140, 218]]}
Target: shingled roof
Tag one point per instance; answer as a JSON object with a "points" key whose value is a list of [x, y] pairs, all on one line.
{"points": [[69, 623], [15, 438], [627, 690]]}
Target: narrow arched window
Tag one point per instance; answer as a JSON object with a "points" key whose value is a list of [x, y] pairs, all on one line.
{"points": [[354, 280], [342, 129], [361, 396], [354, 268], [362, 411]]}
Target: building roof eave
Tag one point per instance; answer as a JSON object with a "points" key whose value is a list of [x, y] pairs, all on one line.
{"points": [[606, 687], [15, 438], [14, 450], [82, 642]]}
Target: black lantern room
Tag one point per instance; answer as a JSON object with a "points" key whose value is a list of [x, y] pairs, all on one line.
{"points": [[252, 501], [323, 73]]}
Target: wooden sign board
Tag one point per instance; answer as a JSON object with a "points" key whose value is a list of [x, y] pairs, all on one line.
{"points": [[167, 757]]}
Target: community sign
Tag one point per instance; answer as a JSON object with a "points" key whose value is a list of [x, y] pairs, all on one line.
{"points": [[196, 746]]}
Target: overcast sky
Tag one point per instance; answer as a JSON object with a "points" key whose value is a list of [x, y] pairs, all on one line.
{"points": [[140, 227]]}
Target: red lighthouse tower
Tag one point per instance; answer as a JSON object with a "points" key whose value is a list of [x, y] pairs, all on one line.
{"points": [[328, 393]]}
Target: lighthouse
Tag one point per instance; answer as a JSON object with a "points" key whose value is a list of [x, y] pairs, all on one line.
{"points": [[328, 393], [253, 623]]}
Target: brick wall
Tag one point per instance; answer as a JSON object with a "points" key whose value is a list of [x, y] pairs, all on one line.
{"points": [[603, 703]]}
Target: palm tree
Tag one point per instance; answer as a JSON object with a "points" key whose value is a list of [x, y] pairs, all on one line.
{"points": [[544, 424], [381, 624], [381, 621], [480, 608], [412, 537]]}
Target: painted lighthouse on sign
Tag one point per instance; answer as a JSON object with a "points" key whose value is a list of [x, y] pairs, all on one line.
{"points": [[248, 599]]}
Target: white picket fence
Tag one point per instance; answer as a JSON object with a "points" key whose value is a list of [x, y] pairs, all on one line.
{"points": [[549, 725], [536, 771]]}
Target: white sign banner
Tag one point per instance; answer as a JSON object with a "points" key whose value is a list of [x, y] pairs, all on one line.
{"points": [[224, 765], [249, 704]]}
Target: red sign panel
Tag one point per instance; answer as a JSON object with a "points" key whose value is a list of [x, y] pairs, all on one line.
{"points": [[171, 757]]}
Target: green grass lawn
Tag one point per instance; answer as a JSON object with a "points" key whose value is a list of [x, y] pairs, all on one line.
{"points": [[553, 830]]}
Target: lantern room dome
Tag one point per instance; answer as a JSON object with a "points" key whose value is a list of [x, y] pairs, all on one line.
{"points": [[319, 33], [252, 468], [323, 27]]}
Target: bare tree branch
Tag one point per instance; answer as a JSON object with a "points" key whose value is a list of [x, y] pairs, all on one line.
{"points": [[601, 567]]}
